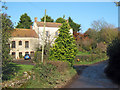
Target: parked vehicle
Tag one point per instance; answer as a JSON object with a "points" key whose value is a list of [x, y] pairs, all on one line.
{"points": [[27, 57]]}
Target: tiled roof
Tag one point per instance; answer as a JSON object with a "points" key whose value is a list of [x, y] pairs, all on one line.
{"points": [[24, 33], [48, 24]]}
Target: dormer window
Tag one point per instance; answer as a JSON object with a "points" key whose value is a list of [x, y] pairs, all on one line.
{"points": [[13, 44]]}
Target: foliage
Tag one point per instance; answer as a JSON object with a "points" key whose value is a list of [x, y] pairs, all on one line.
{"points": [[89, 62], [9, 71], [14, 71], [112, 70], [49, 75], [48, 19], [107, 35], [37, 57], [91, 33], [25, 22], [83, 53], [7, 27], [113, 49], [85, 57], [100, 24], [61, 66], [73, 25], [60, 20], [64, 47]]}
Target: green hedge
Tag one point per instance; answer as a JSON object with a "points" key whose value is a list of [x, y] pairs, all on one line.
{"points": [[89, 58], [113, 68]]}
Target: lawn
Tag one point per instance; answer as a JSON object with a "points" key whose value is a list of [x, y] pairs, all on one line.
{"points": [[13, 71], [86, 58], [88, 63], [83, 53], [24, 68]]}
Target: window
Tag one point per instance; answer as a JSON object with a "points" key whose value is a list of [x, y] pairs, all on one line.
{"points": [[56, 33], [13, 54], [13, 44], [26, 44], [26, 52], [20, 42], [20, 54], [32, 53], [47, 33]]}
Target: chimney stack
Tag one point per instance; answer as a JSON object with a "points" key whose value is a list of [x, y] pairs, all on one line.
{"points": [[31, 27], [35, 19]]}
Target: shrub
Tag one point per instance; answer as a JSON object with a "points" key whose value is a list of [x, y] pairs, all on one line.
{"points": [[113, 68], [64, 48], [60, 65], [37, 56]]}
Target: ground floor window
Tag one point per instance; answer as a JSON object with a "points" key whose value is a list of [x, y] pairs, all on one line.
{"points": [[20, 54], [26, 52], [13, 54], [32, 53]]}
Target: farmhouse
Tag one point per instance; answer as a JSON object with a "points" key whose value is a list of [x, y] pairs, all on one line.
{"points": [[51, 30], [23, 41]]}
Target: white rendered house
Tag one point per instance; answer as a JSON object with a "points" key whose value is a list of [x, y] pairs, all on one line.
{"points": [[51, 30]]}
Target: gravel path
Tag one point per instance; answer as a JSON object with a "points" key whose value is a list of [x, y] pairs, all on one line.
{"points": [[93, 77]]}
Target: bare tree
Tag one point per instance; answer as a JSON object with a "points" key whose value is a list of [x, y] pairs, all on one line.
{"points": [[48, 41], [101, 24]]}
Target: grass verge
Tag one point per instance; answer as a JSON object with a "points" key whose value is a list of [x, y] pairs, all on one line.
{"points": [[83, 53], [88, 62], [13, 71], [49, 76]]}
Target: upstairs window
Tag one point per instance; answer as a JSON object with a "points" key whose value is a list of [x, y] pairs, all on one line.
{"points": [[26, 44], [20, 42], [56, 33], [13, 44], [47, 33]]}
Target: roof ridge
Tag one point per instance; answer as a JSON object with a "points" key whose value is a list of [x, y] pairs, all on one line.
{"points": [[22, 29], [50, 22]]}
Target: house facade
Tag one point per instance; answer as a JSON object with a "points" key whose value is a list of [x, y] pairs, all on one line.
{"points": [[23, 41], [26, 41], [51, 30]]}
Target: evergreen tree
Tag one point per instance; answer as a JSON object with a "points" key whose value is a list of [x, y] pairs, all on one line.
{"points": [[60, 20], [75, 26], [64, 48], [48, 19], [25, 22], [7, 27]]}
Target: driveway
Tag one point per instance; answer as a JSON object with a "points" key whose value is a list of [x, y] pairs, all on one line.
{"points": [[93, 77], [22, 61]]}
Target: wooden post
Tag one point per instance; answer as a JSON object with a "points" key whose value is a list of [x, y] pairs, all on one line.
{"points": [[43, 41]]}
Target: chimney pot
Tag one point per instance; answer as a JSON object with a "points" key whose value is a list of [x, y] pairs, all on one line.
{"points": [[35, 19], [31, 27]]}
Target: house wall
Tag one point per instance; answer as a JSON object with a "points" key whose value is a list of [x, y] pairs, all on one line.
{"points": [[51, 30], [33, 44]]}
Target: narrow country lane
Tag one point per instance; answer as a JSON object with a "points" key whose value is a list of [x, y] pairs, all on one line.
{"points": [[93, 77]]}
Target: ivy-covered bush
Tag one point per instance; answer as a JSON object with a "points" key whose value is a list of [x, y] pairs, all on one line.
{"points": [[113, 68]]}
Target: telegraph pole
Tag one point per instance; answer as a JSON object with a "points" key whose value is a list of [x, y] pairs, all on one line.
{"points": [[43, 41]]}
